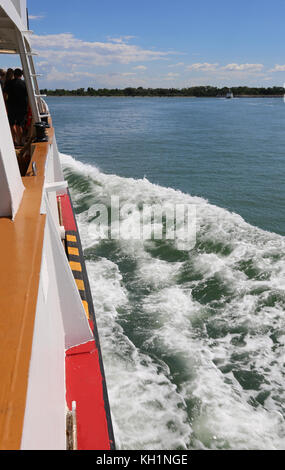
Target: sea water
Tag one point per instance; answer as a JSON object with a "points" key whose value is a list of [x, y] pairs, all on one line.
{"points": [[193, 339]]}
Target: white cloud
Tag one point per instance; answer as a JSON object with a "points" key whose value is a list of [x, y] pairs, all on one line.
{"points": [[75, 79], [179, 64], [140, 67], [233, 68], [121, 39], [36, 17], [66, 58], [278, 68], [171, 76], [55, 75], [66, 48], [204, 67], [243, 67]]}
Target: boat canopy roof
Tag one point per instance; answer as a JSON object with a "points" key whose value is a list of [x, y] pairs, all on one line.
{"points": [[13, 19], [15, 39]]}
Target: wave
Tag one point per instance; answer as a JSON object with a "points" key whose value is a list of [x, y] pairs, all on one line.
{"points": [[192, 340]]}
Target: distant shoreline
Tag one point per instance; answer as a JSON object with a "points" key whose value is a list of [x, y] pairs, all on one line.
{"points": [[191, 92], [259, 96], [162, 96]]}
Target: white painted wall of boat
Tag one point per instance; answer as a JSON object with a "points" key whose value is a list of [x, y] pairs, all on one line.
{"points": [[51, 176], [44, 423], [11, 186], [75, 324]]}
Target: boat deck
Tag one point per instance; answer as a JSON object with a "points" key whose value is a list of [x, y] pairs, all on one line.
{"points": [[21, 254]]}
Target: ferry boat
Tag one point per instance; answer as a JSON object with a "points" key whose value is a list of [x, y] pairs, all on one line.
{"points": [[53, 393], [229, 95]]}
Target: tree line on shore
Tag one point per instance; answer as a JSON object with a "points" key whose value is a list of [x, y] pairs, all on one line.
{"points": [[196, 91]]}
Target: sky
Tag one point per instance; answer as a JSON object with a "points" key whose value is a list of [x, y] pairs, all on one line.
{"points": [[158, 43]]}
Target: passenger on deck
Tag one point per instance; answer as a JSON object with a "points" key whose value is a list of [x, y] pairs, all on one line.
{"points": [[17, 106], [2, 78], [9, 76]]}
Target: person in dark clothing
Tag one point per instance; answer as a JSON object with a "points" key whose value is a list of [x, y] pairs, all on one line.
{"points": [[17, 106], [2, 78], [9, 76]]}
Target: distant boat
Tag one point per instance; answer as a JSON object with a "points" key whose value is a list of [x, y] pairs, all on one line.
{"points": [[229, 95]]}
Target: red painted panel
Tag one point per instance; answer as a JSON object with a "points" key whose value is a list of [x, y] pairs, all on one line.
{"points": [[91, 324], [67, 213], [84, 385]]}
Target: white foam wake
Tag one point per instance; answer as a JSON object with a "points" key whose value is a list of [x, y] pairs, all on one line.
{"points": [[211, 325]]}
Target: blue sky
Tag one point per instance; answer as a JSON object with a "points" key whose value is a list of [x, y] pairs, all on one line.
{"points": [[158, 43]]}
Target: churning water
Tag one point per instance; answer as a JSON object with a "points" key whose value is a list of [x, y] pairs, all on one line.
{"points": [[192, 340]]}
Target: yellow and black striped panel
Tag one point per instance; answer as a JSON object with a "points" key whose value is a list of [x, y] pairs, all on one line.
{"points": [[76, 263]]}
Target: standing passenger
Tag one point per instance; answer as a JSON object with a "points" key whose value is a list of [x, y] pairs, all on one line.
{"points": [[8, 78], [2, 78], [17, 106]]}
